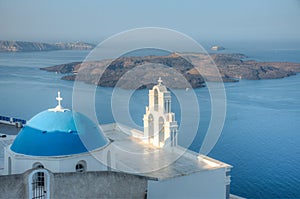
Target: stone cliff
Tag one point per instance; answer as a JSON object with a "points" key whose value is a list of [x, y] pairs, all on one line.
{"points": [[22, 46]]}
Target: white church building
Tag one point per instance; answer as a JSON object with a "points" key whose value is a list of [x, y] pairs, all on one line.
{"points": [[60, 146]]}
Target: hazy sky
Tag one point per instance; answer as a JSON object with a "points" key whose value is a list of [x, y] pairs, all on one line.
{"points": [[94, 20]]}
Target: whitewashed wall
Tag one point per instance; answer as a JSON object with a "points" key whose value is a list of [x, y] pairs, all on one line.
{"points": [[206, 184], [22, 163]]}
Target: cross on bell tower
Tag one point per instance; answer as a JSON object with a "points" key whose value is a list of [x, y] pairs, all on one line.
{"points": [[159, 81]]}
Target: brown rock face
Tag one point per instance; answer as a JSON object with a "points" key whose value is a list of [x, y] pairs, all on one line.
{"points": [[178, 71]]}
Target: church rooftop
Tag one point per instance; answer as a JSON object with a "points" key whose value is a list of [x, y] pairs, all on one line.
{"points": [[144, 158]]}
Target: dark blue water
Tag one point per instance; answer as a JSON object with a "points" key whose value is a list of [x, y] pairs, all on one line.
{"points": [[261, 138], [261, 134]]}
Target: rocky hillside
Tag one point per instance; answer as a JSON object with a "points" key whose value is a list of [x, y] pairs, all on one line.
{"points": [[195, 68], [22, 46]]}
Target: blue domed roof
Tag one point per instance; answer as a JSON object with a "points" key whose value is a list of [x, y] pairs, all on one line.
{"points": [[58, 133]]}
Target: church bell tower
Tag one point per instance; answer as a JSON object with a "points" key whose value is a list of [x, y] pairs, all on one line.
{"points": [[160, 127]]}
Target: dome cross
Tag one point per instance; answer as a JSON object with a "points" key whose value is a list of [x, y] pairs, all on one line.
{"points": [[59, 99], [58, 108]]}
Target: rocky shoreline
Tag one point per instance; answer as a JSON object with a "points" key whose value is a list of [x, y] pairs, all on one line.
{"points": [[193, 67]]}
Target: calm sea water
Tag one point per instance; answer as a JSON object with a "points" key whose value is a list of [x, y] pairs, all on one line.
{"points": [[261, 134]]}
